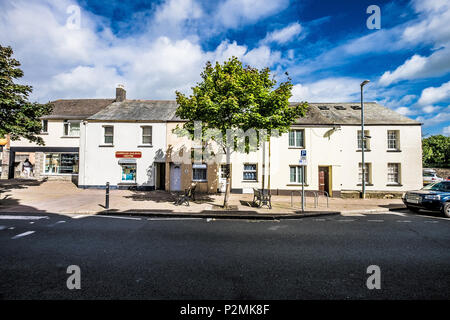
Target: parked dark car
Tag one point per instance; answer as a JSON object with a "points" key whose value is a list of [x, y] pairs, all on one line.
{"points": [[433, 197]]}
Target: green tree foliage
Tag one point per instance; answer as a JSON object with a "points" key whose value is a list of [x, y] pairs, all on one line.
{"points": [[436, 151], [18, 116], [231, 96]]}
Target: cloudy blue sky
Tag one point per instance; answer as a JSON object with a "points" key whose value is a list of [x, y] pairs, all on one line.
{"points": [[157, 47]]}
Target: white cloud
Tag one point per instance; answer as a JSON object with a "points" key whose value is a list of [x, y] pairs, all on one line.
{"points": [[83, 81], [443, 116], [430, 109], [178, 10], [418, 66], [226, 50], [404, 111], [85, 63], [327, 90], [236, 13], [433, 23], [431, 27], [283, 35], [405, 71], [261, 57], [446, 131], [435, 94]]}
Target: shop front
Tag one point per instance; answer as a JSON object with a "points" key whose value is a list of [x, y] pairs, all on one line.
{"points": [[54, 163]]}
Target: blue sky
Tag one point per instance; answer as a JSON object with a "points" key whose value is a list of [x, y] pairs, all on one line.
{"points": [[157, 47]]}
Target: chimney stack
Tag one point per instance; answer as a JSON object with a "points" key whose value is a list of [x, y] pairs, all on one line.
{"points": [[121, 94]]}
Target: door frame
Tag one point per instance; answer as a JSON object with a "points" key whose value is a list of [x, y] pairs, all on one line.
{"points": [[171, 167], [219, 172], [330, 178]]}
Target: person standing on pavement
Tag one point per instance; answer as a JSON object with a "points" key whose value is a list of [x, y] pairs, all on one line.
{"points": [[27, 168]]}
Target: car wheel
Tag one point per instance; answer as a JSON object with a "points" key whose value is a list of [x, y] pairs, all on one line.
{"points": [[413, 209], [446, 209]]}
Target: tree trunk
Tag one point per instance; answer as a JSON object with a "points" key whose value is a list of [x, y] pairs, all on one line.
{"points": [[268, 177], [228, 183]]}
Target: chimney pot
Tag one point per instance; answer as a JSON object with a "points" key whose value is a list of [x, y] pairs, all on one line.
{"points": [[121, 94]]}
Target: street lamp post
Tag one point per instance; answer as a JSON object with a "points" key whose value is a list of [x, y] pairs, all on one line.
{"points": [[363, 140]]}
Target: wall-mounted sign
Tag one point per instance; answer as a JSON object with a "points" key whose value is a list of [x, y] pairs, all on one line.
{"points": [[128, 154]]}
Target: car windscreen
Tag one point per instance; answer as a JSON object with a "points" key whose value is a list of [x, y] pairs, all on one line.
{"points": [[440, 186], [428, 174]]}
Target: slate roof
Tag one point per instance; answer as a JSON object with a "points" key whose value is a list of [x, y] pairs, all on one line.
{"points": [[142, 110], [77, 108], [350, 114], [317, 114]]}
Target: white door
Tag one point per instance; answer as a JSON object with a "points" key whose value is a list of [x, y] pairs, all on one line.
{"points": [[222, 178], [175, 177]]}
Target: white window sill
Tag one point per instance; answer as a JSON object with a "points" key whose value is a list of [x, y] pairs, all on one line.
{"points": [[145, 146], [69, 137], [393, 150], [292, 147], [199, 180], [106, 145]]}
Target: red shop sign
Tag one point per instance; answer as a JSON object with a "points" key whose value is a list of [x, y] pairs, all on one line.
{"points": [[128, 154]]}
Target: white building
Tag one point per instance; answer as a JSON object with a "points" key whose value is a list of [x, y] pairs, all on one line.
{"points": [[130, 143], [331, 135], [125, 145], [58, 158]]}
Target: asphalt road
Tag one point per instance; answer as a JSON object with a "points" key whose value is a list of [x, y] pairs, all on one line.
{"points": [[142, 258]]}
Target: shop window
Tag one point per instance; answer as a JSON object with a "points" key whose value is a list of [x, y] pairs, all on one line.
{"points": [[61, 163], [129, 173]]}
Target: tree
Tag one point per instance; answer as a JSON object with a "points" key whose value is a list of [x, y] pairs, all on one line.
{"points": [[233, 97], [18, 116], [436, 151]]}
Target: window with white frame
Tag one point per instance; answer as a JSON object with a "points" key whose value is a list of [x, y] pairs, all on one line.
{"points": [[296, 174], [297, 138], [393, 173], [199, 172], [367, 173], [71, 128], [250, 172], [108, 134], [366, 140], [393, 139], [44, 124], [147, 135]]}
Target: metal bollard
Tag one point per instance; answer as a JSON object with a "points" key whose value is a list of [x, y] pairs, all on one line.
{"points": [[107, 196]]}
